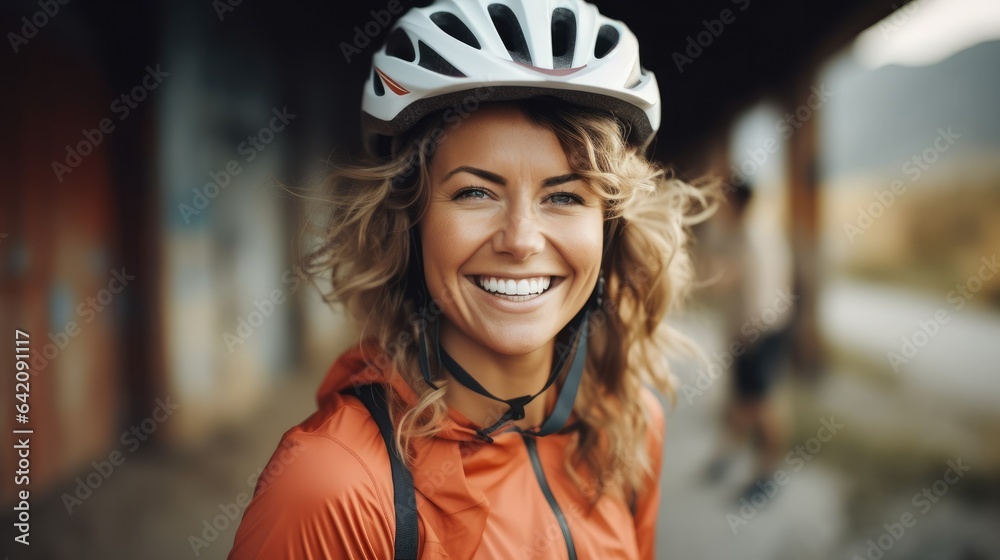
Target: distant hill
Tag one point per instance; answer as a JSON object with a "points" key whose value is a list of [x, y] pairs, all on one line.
{"points": [[877, 119]]}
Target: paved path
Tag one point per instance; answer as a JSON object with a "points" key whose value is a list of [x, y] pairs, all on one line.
{"points": [[803, 520], [941, 404], [961, 361]]}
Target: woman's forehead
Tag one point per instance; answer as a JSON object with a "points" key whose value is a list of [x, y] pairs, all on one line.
{"points": [[499, 135]]}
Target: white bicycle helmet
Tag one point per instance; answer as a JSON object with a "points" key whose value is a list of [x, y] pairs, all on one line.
{"points": [[506, 50]]}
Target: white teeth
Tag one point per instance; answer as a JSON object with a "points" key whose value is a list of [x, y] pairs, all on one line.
{"points": [[510, 287], [522, 287]]}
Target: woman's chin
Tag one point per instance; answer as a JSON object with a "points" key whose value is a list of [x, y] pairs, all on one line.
{"points": [[517, 346]]}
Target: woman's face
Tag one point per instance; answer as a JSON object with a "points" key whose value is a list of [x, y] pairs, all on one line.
{"points": [[511, 239]]}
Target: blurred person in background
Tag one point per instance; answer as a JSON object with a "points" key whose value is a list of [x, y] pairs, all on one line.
{"points": [[510, 257], [758, 318]]}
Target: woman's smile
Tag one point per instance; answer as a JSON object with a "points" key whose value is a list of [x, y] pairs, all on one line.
{"points": [[535, 285], [504, 290]]}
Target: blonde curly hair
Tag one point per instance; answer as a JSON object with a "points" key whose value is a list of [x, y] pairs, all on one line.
{"points": [[368, 248]]}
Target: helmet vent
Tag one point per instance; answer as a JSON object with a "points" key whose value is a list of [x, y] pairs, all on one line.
{"points": [[510, 33], [563, 37], [607, 39], [450, 24], [399, 45], [377, 84], [431, 60]]}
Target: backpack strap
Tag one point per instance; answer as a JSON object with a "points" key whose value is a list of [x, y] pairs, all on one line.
{"points": [[374, 398]]}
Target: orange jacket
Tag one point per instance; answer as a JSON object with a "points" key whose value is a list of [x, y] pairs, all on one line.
{"points": [[327, 492]]}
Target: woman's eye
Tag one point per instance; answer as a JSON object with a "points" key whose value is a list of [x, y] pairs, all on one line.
{"points": [[473, 193], [565, 199]]}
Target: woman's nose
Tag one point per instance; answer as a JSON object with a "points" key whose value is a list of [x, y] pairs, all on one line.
{"points": [[520, 235]]}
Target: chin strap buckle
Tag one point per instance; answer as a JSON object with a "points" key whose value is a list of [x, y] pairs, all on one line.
{"points": [[517, 405]]}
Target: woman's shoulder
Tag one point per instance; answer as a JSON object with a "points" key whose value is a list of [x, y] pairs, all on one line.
{"points": [[328, 481], [338, 445]]}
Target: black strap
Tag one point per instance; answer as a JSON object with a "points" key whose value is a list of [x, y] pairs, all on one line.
{"points": [[516, 405], [576, 331], [375, 400], [567, 397]]}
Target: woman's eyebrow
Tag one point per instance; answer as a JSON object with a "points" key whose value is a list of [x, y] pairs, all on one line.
{"points": [[482, 173], [560, 179], [494, 178]]}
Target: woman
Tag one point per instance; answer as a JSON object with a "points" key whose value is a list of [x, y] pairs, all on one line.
{"points": [[509, 258]]}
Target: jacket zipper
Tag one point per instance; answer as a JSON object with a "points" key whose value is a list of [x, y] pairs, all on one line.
{"points": [[540, 474]]}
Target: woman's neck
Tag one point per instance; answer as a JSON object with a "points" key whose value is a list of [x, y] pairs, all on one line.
{"points": [[504, 376]]}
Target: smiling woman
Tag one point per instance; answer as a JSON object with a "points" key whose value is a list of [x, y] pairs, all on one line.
{"points": [[510, 273]]}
